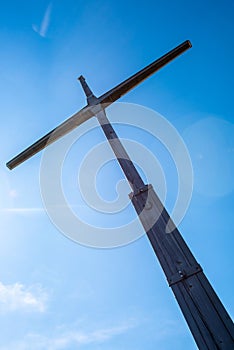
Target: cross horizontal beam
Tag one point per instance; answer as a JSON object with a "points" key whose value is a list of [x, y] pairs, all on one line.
{"points": [[104, 100]]}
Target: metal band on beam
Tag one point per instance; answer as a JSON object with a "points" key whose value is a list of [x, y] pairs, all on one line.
{"points": [[184, 274]]}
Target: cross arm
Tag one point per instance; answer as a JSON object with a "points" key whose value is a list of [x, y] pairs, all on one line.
{"points": [[61, 130], [104, 100], [127, 85]]}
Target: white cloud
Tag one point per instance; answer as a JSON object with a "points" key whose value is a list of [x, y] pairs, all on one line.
{"points": [[63, 340], [15, 297], [45, 22]]}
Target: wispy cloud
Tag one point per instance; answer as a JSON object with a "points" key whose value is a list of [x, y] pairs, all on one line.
{"points": [[42, 30], [23, 210], [33, 210], [17, 297], [69, 339]]}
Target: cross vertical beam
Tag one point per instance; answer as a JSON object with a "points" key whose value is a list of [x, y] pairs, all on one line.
{"points": [[123, 158], [209, 322]]}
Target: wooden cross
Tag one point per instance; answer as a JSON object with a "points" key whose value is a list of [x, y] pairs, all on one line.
{"points": [[209, 322]]}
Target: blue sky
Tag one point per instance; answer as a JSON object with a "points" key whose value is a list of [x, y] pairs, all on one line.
{"points": [[54, 293]]}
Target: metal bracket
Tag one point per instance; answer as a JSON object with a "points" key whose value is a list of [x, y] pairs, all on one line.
{"points": [[183, 274], [139, 191]]}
